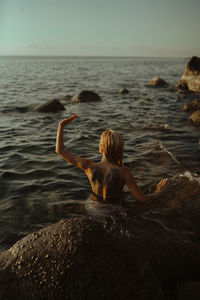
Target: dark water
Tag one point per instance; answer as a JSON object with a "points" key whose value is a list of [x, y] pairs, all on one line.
{"points": [[37, 187]]}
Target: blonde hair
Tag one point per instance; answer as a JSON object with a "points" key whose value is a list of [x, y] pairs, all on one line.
{"points": [[113, 145]]}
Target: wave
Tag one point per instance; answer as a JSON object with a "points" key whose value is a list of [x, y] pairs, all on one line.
{"points": [[24, 176]]}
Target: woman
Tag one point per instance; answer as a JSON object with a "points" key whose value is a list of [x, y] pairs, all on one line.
{"points": [[108, 176]]}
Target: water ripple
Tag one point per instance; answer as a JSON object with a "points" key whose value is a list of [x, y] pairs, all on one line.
{"points": [[37, 186]]}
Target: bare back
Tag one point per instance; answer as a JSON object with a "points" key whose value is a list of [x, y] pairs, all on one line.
{"points": [[106, 180]]}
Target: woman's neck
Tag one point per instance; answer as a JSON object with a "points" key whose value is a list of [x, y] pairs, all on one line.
{"points": [[105, 160]]}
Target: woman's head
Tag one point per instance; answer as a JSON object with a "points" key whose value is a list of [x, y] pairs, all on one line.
{"points": [[112, 146]]}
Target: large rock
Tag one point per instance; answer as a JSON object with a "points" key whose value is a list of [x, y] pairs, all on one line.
{"points": [[138, 255], [86, 96], [191, 77], [72, 259], [195, 118], [53, 105], [157, 82]]}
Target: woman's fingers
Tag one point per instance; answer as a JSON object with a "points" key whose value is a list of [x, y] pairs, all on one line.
{"points": [[68, 120], [74, 116], [163, 181], [161, 184]]}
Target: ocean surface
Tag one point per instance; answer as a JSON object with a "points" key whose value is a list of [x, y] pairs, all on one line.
{"points": [[37, 187]]}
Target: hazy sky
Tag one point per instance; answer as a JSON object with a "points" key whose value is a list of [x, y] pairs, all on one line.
{"points": [[100, 27]]}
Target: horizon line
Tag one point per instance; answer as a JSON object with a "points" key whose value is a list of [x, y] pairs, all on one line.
{"points": [[93, 56]]}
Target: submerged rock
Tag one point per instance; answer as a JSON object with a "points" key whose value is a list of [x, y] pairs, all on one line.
{"points": [[192, 106], [195, 118], [123, 91], [157, 82], [86, 96], [53, 105], [190, 80]]}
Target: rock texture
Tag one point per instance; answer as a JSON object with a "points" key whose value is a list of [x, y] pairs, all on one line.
{"points": [[72, 259], [191, 77], [157, 82], [53, 105], [195, 118], [192, 106], [86, 96], [140, 255]]}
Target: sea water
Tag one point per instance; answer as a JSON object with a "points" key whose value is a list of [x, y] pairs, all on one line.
{"points": [[37, 187]]}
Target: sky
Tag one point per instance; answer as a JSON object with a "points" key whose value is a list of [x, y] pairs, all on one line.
{"points": [[153, 28]]}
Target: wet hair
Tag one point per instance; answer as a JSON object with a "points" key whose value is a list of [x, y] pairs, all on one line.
{"points": [[113, 145]]}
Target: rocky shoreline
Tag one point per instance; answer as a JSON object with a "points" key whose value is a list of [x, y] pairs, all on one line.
{"points": [[142, 255]]}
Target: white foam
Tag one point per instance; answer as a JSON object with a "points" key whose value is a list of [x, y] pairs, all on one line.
{"points": [[192, 177], [186, 173], [170, 154], [165, 126]]}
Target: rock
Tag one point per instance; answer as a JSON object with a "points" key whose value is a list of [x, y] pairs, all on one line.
{"points": [[67, 98], [193, 66], [53, 105], [138, 255], [86, 96], [123, 91], [72, 259], [157, 82], [192, 106], [190, 80], [195, 117]]}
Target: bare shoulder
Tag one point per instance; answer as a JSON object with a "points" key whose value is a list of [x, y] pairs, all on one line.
{"points": [[86, 163]]}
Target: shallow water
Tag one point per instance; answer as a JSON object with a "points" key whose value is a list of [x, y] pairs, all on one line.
{"points": [[37, 186]]}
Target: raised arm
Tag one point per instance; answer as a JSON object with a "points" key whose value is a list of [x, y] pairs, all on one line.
{"points": [[136, 190], [80, 162]]}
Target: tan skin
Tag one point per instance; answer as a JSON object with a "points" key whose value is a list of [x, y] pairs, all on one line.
{"points": [[106, 179]]}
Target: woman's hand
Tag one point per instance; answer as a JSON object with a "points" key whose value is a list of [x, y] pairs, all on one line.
{"points": [[161, 185], [68, 120]]}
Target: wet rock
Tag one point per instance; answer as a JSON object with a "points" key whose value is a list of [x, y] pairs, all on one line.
{"points": [[190, 80], [72, 259], [86, 96], [157, 82], [123, 91], [53, 105], [180, 189], [141, 255], [195, 118], [192, 106]]}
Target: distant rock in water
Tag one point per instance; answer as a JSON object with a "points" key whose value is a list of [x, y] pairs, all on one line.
{"points": [[53, 105], [192, 106], [193, 66], [123, 91], [190, 80], [86, 96], [195, 118], [157, 82]]}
